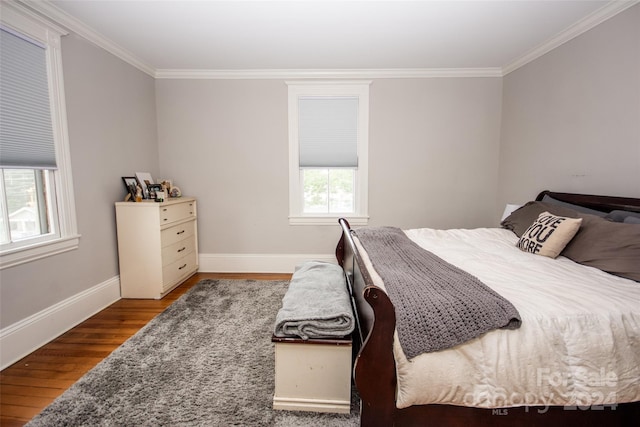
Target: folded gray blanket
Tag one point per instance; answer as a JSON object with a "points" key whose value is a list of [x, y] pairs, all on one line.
{"points": [[437, 304], [316, 304]]}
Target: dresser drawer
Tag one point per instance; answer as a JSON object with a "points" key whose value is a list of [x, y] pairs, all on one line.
{"points": [[177, 250], [178, 269], [179, 232], [177, 212]]}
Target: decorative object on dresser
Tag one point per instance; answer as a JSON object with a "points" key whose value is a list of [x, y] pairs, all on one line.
{"points": [[175, 192], [144, 179], [157, 246], [156, 193], [131, 185]]}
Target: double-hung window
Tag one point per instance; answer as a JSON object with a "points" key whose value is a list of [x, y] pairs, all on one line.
{"points": [[328, 151], [37, 213]]}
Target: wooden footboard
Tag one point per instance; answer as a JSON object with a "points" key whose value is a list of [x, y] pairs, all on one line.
{"points": [[375, 373], [374, 369]]}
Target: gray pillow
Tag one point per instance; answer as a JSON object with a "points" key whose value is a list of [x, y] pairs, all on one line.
{"points": [[523, 217], [613, 247], [632, 220], [620, 215]]}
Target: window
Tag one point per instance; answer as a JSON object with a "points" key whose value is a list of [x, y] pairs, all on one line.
{"points": [[328, 152], [37, 212]]}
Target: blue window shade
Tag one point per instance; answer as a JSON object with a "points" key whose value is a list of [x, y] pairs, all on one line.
{"points": [[26, 133], [328, 131]]}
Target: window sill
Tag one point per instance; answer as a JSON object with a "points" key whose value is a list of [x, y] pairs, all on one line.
{"points": [[327, 220], [17, 256]]}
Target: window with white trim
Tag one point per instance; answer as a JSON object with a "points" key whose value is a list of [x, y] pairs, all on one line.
{"points": [[328, 152], [37, 211]]}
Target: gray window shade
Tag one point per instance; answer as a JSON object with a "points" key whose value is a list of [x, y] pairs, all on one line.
{"points": [[328, 131], [26, 133]]}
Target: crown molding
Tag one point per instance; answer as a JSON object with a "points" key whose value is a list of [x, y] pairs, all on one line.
{"points": [[73, 24], [62, 18], [608, 11], [394, 73], [49, 10]]}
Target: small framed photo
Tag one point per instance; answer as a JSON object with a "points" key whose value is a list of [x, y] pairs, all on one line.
{"points": [[130, 183], [156, 193], [144, 179]]}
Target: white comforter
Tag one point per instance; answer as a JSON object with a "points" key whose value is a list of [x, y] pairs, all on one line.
{"points": [[579, 343]]}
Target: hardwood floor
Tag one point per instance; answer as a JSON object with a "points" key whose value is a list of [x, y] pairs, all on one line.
{"points": [[32, 383]]}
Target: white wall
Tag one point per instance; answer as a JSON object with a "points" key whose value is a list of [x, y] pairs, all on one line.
{"points": [[433, 153], [571, 119]]}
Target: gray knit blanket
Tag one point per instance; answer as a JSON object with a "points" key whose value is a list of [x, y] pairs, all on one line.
{"points": [[317, 303], [437, 304]]}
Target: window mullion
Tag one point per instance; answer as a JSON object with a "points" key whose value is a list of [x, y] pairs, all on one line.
{"points": [[43, 214], [5, 237]]}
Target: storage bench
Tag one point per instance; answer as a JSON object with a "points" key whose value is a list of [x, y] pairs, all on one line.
{"points": [[313, 375]]}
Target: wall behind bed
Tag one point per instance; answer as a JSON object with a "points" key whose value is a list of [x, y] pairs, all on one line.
{"points": [[433, 153], [571, 119]]}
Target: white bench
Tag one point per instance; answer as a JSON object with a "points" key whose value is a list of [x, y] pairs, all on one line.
{"points": [[313, 375]]}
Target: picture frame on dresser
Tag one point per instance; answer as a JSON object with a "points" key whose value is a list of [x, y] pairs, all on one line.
{"points": [[130, 183], [153, 190], [144, 179]]}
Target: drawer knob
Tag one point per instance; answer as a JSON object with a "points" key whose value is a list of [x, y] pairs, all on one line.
{"points": [[180, 232], [180, 268], [183, 248], [164, 210]]}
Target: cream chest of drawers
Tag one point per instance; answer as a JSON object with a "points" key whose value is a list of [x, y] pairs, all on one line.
{"points": [[157, 246]]}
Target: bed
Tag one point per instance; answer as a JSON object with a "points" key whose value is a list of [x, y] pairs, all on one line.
{"points": [[549, 392]]}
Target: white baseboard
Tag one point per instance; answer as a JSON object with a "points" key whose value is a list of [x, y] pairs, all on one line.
{"points": [[257, 263], [23, 337], [313, 405]]}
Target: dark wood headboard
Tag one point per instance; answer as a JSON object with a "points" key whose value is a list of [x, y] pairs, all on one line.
{"points": [[599, 203]]}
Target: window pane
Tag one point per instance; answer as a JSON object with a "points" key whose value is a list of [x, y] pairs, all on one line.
{"points": [[315, 185], [27, 202], [341, 190], [328, 191]]}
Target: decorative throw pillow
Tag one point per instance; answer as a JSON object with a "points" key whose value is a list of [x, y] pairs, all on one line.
{"points": [[521, 219], [549, 234]]}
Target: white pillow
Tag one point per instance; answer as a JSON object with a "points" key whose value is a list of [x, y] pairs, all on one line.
{"points": [[508, 210], [549, 234]]}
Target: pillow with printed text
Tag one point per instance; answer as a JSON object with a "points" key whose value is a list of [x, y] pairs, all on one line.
{"points": [[549, 234]]}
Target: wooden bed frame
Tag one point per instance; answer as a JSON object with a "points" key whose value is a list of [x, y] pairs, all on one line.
{"points": [[374, 367]]}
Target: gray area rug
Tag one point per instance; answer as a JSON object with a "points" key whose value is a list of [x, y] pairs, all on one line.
{"points": [[207, 360]]}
